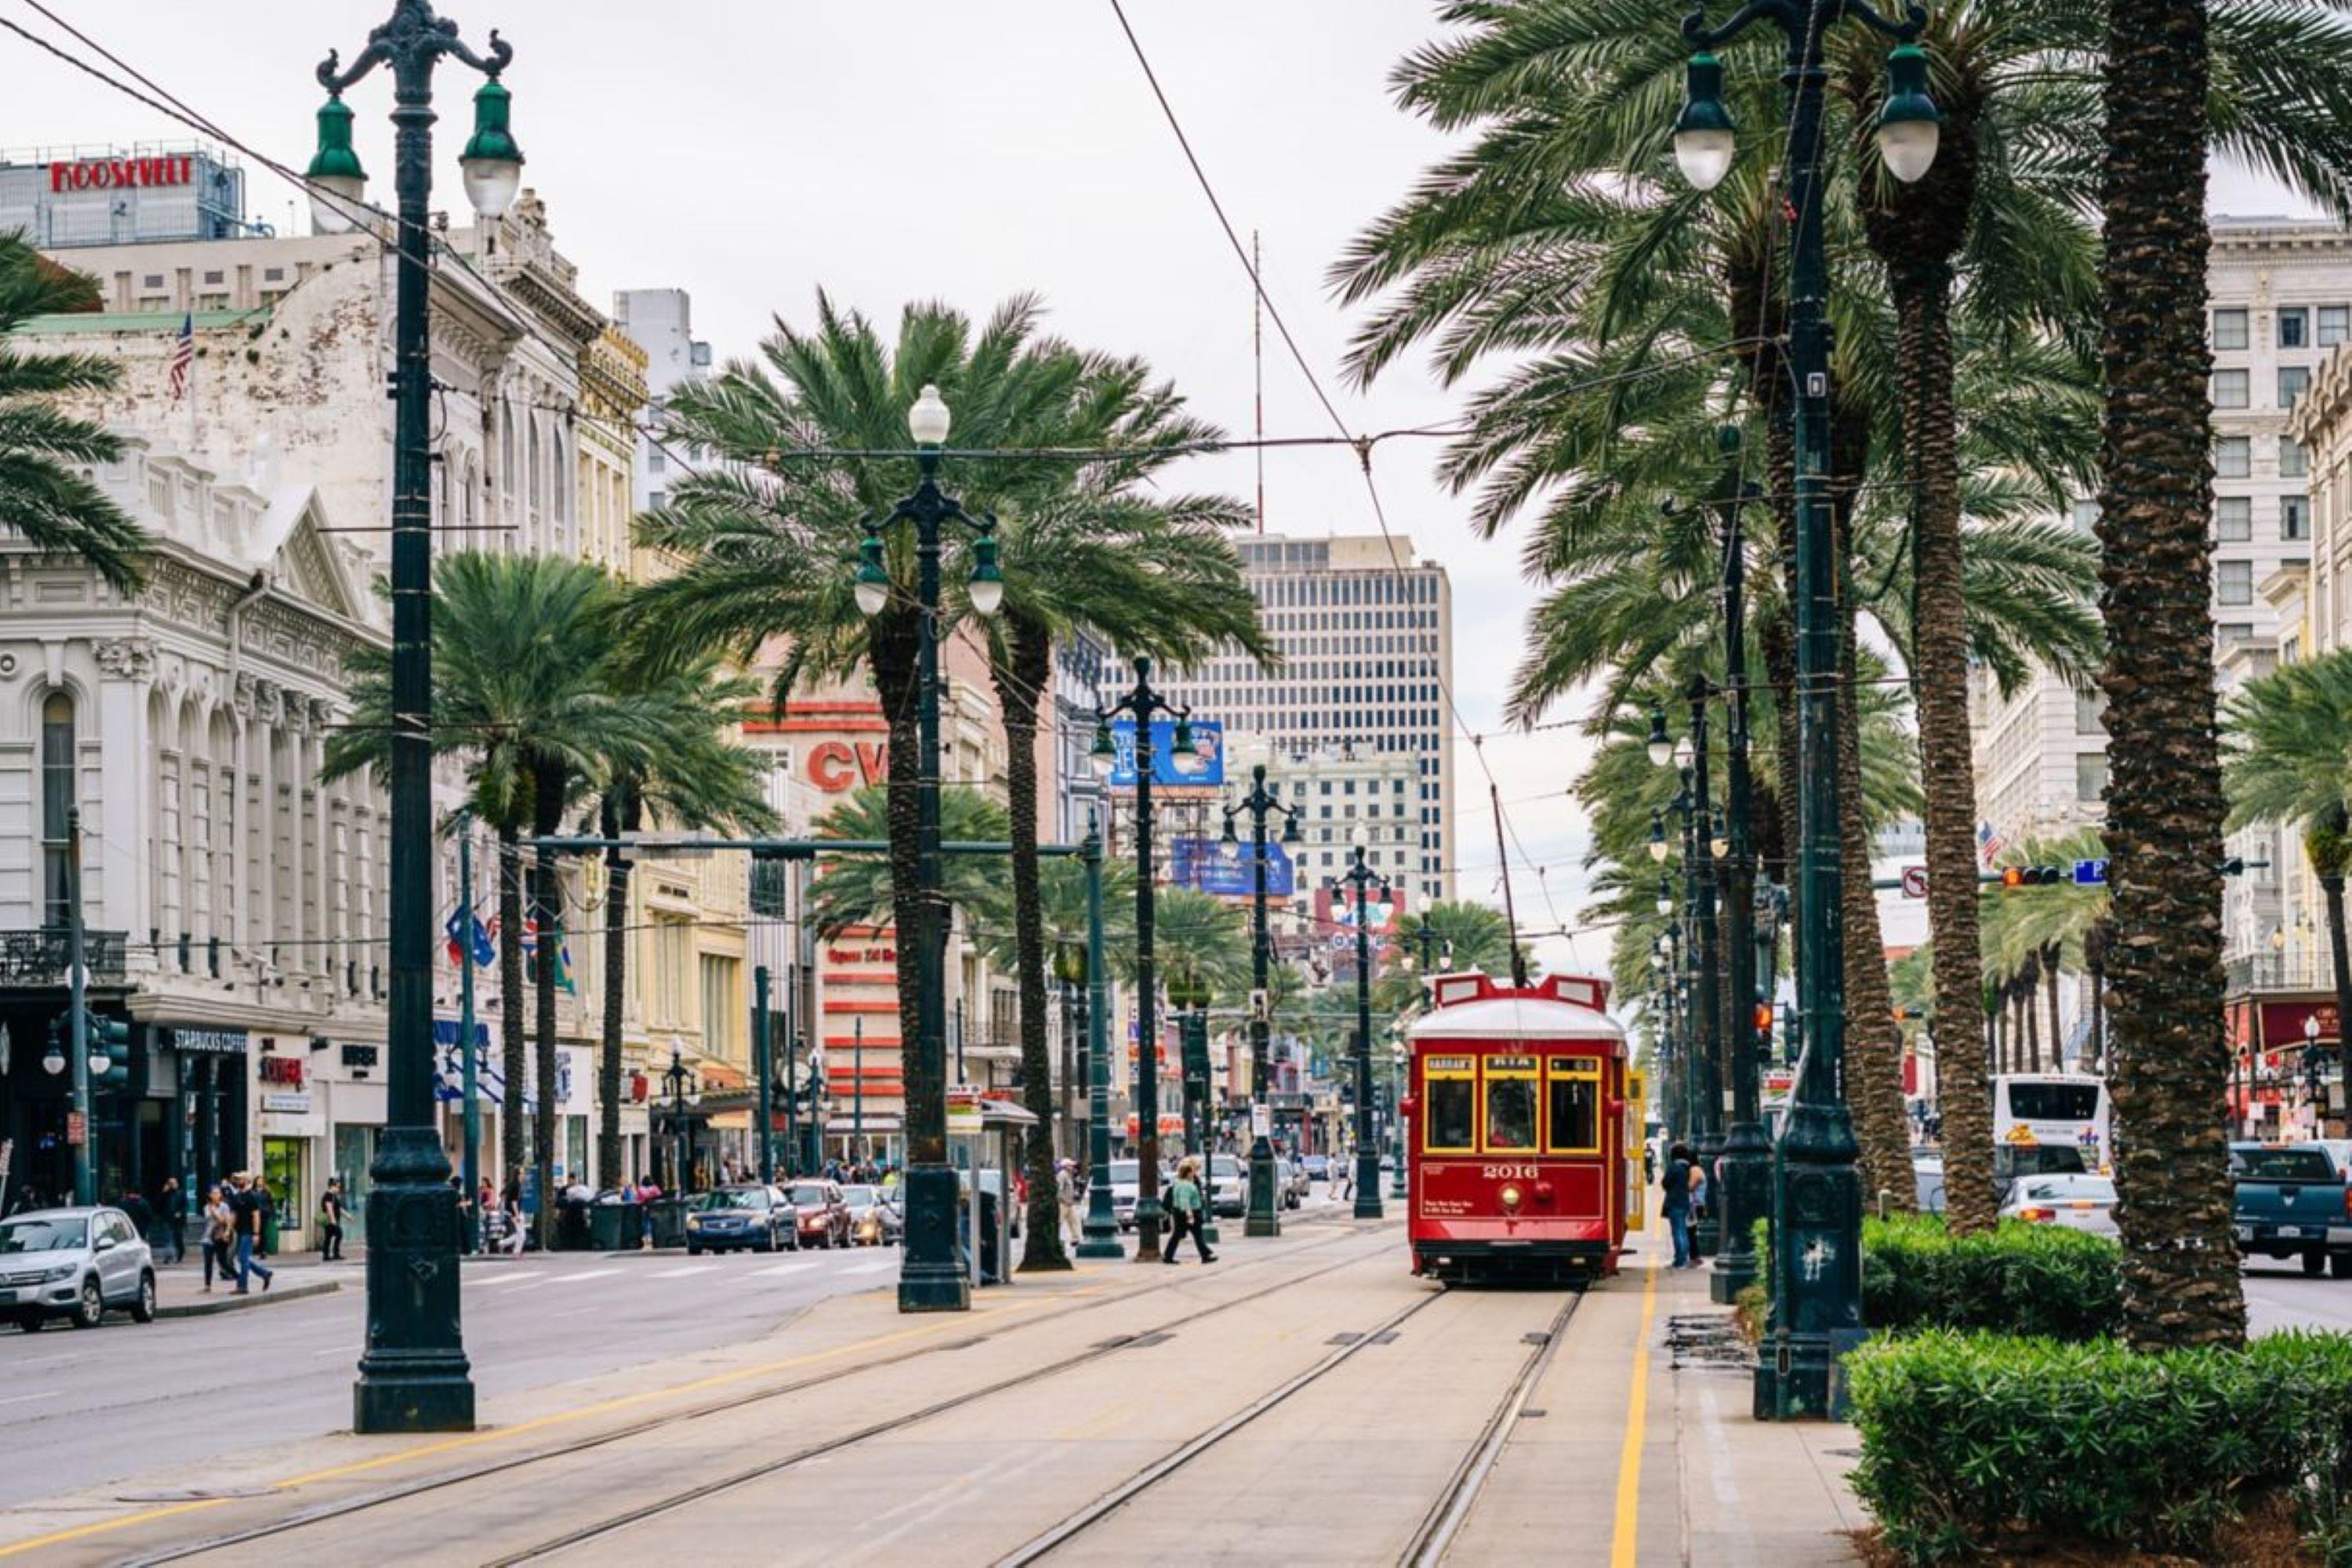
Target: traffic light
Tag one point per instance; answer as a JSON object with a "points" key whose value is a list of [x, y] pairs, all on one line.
{"points": [[2033, 876], [110, 1043]]}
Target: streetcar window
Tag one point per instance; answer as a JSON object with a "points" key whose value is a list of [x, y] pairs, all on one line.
{"points": [[1452, 1107], [1575, 1110], [1511, 1113]]}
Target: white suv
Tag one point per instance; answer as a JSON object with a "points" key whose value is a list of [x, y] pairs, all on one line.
{"points": [[74, 1264]]}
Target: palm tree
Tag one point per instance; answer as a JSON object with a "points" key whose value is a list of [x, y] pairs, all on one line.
{"points": [[858, 889], [1095, 544], [43, 495], [2289, 733], [2165, 806], [695, 778], [520, 652], [769, 537]]}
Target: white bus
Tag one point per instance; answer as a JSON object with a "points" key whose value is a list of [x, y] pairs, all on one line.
{"points": [[2048, 1122]]}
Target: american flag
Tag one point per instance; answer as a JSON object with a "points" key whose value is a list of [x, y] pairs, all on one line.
{"points": [[183, 354], [1988, 843]]}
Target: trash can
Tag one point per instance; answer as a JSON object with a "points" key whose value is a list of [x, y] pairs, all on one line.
{"points": [[616, 1227], [669, 1221], [570, 1228], [269, 1234]]}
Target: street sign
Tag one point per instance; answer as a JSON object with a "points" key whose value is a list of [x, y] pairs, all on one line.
{"points": [[77, 1132], [1915, 881], [2090, 873]]}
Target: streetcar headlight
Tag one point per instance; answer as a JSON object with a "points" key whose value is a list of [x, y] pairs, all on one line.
{"points": [[1510, 1197]]}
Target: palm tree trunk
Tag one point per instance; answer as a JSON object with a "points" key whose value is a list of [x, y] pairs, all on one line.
{"points": [[546, 817], [616, 962], [514, 1041], [2165, 806], [2333, 888], [1940, 671], [1017, 692], [2052, 959], [2028, 991], [893, 642]]}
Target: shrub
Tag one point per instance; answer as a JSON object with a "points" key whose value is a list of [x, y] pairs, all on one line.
{"points": [[2019, 1279], [1971, 1441]]}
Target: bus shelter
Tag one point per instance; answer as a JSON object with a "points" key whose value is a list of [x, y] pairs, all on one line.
{"points": [[984, 1146]]}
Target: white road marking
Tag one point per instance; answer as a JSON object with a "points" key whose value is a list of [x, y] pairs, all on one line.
{"points": [[583, 1274], [26, 1398], [773, 1269], [878, 1266], [514, 1278], [682, 1273]]}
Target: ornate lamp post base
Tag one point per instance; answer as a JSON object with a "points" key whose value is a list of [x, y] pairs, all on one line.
{"points": [[929, 1278], [413, 1375], [1817, 1313], [1746, 1191], [1101, 1239], [1264, 1207]]}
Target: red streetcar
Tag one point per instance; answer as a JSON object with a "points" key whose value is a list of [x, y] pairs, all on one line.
{"points": [[1524, 1118]]}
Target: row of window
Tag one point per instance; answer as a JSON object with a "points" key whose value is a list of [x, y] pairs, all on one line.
{"points": [[2299, 326], [2232, 388], [2234, 518], [1349, 589], [1529, 1105], [2233, 457]]}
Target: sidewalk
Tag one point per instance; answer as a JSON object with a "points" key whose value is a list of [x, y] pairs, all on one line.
{"points": [[180, 1286]]}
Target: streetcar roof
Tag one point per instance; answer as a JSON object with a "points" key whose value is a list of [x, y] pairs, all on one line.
{"points": [[1562, 1009]]}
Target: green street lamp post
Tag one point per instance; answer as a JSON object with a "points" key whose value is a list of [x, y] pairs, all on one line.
{"points": [[1264, 1207], [1144, 704], [1188, 996], [929, 1279], [1101, 1237], [1705, 957], [412, 1375], [1361, 879], [763, 1063], [678, 1079], [1746, 1164], [1817, 1202], [1396, 1112]]}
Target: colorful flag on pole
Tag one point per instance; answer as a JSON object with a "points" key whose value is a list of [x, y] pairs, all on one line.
{"points": [[1988, 843], [563, 980], [183, 354], [485, 952]]}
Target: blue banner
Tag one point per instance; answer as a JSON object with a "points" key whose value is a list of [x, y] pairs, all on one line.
{"points": [[1203, 765], [1201, 864]]}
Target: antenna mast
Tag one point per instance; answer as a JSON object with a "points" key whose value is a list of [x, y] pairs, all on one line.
{"points": [[1510, 910]]}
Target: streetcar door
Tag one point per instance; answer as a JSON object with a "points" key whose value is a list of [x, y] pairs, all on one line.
{"points": [[1637, 1097]]}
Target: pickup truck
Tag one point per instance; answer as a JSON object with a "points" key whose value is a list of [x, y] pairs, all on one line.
{"points": [[2292, 1202]]}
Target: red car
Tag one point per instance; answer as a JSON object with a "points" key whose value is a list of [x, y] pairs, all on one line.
{"points": [[824, 1211]]}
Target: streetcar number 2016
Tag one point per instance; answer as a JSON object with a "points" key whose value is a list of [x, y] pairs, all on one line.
{"points": [[1507, 1173]]}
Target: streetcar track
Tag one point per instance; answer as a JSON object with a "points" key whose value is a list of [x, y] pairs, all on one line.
{"points": [[1447, 1515], [1168, 1464], [424, 1485]]}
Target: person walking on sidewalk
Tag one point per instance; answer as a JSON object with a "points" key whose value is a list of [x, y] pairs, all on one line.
{"points": [[141, 1216], [220, 1232], [170, 1222], [1184, 1212], [1065, 1193], [330, 1221], [247, 1204], [1681, 1175]]}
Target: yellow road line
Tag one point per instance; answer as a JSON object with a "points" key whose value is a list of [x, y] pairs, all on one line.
{"points": [[1629, 1458], [500, 1433]]}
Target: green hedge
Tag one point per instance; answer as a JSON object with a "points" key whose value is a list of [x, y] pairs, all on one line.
{"points": [[1971, 1442], [2019, 1279]]}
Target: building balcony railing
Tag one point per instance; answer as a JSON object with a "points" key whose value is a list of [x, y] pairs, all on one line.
{"points": [[2305, 969], [37, 957]]}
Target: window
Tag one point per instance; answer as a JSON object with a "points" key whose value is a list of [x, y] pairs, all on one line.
{"points": [[2230, 329], [656, 498], [2295, 517], [2234, 518], [1450, 1090], [2295, 327], [2229, 634], [1510, 1105], [57, 799], [2234, 582], [2090, 713], [2292, 380], [2234, 456], [722, 1018], [2293, 463], [2334, 324], [655, 462], [2091, 777], [2229, 389], [1575, 1106]]}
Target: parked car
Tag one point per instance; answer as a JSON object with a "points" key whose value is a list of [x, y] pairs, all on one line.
{"points": [[740, 1219], [1230, 1181], [874, 1219], [1318, 1167], [2292, 1202], [76, 1264], [2075, 1203], [1123, 1190], [824, 1212], [1291, 1181]]}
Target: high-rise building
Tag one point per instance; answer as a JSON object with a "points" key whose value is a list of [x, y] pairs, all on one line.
{"points": [[661, 322], [1365, 635]]}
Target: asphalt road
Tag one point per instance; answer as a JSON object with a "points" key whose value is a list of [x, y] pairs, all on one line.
{"points": [[77, 1408], [2281, 1296]]}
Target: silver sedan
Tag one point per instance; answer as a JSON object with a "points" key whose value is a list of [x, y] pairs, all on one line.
{"points": [[2075, 1202]]}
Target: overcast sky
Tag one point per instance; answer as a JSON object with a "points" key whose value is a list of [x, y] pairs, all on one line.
{"points": [[753, 151]]}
